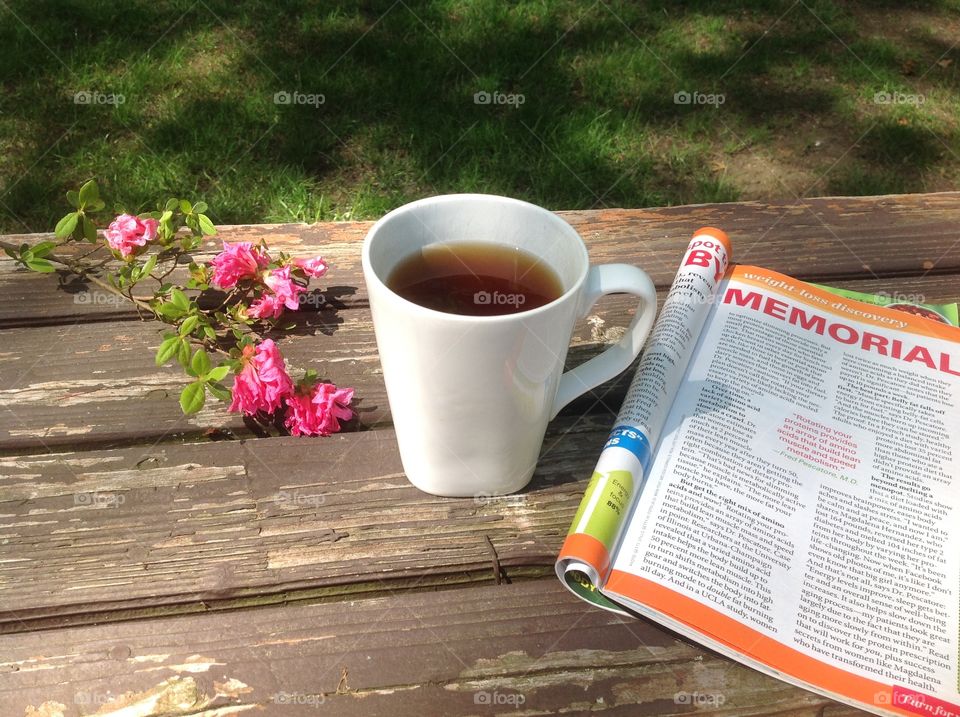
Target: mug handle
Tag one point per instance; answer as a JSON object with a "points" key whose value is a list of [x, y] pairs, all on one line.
{"points": [[602, 280]]}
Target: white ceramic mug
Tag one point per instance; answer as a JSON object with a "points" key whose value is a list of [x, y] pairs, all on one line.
{"points": [[471, 395]]}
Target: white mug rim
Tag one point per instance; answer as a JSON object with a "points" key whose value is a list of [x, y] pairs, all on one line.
{"points": [[562, 225]]}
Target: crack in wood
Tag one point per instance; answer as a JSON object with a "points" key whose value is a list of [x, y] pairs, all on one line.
{"points": [[499, 574], [17, 623]]}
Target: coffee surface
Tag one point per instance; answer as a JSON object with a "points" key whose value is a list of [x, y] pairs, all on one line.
{"points": [[475, 279]]}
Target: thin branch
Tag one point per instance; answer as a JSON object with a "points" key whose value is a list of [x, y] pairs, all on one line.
{"points": [[84, 272]]}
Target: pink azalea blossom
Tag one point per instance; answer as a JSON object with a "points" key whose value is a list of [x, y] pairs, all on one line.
{"points": [[237, 261], [286, 289], [128, 233], [267, 306], [263, 382], [314, 267], [318, 413]]}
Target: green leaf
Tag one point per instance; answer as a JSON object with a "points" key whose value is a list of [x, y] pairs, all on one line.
{"points": [[26, 255], [10, 252], [170, 311], [179, 299], [96, 205], [210, 333], [41, 265], [200, 363], [206, 226], [219, 373], [66, 225], [170, 205], [43, 248], [192, 397], [168, 347], [149, 266], [188, 325], [200, 207], [185, 206], [74, 198], [89, 193], [166, 231], [183, 353], [89, 230], [220, 391]]}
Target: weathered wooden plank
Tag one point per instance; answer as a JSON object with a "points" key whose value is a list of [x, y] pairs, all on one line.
{"points": [[96, 535], [527, 648], [96, 383], [822, 239]]}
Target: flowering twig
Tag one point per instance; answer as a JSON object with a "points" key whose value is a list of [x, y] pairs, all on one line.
{"points": [[259, 289]]}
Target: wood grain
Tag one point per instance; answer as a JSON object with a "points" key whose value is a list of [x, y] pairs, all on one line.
{"points": [[95, 384], [529, 648], [821, 239], [98, 535]]}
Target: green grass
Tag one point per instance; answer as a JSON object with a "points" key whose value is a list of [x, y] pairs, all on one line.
{"points": [[598, 125]]}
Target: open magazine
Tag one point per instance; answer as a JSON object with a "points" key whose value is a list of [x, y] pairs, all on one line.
{"points": [[781, 486]]}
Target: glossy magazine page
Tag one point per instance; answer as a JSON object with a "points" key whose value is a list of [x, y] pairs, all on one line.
{"points": [[801, 507]]}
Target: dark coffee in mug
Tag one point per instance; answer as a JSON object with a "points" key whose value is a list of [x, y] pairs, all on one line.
{"points": [[475, 279]]}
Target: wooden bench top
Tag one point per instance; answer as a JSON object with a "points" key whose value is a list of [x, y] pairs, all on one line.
{"points": [[204, 588]]}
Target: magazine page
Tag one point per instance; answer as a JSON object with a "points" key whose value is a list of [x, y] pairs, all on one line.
{"points": [[803, 506], [584, 560]]}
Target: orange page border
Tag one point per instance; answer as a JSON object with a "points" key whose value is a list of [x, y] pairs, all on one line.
{"points": [[914, 324], [586, 549], [755, 644]]}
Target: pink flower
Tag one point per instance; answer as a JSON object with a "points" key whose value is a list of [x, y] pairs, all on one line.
{"points": [[267, 306], [318, 413], [286, 289], [263, 382], [314, 268], [127, 233], [237, 261]]}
